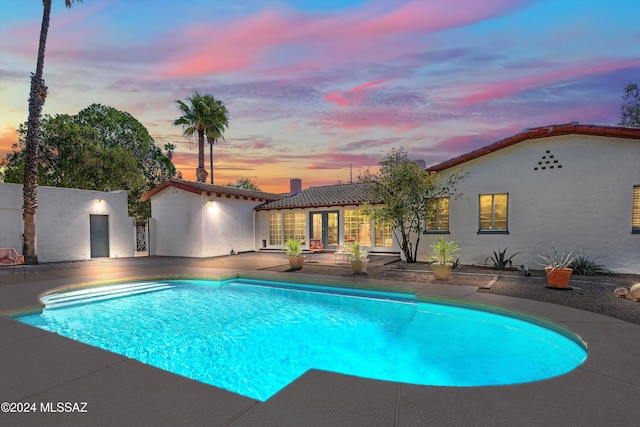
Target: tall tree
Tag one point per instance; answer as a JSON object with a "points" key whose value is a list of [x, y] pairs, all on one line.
{"points": [[631, 106], [205, 116], [218, 121], [193, 122], [100, 148], [37, 97], [401, 194]]}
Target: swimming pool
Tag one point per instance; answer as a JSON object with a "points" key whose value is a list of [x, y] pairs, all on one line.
{"points": [[254, 337]]}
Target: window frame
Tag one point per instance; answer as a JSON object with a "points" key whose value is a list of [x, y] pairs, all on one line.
{"points": [[635, 210], [437, 217], [493, 230]]}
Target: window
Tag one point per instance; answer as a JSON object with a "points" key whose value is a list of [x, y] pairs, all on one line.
{"points": [[438, 219], [294, 226], [635, 218], [275, 229], [384, 234], [357, 227], [283, 227], [493, 212]]}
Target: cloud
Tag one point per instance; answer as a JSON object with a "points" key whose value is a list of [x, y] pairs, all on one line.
{"points": [[353, 96], [368, 33], [503, 89]]}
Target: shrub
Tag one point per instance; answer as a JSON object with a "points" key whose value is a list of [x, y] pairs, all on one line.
{"points": [[585, 265], [500, 260]]}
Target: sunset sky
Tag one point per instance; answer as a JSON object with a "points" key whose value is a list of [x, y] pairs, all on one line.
{"points": [[313, 86]]}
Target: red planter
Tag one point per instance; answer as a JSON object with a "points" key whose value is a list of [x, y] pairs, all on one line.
{"points": [[558, 278]]}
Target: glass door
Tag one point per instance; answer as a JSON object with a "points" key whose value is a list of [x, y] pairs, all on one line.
{"points": [[324, 226]]}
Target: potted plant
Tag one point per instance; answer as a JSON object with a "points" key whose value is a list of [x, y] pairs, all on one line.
{"points": [[557, 266], [294, 252], [443, 258], [359, 258]]}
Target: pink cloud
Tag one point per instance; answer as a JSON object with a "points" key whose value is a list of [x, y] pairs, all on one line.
{"points": [[244, 43], [511, 87], [353, 96]]}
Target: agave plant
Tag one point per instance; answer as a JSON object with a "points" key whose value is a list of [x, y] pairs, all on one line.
{"points": [[500, 260], [556, 260]]}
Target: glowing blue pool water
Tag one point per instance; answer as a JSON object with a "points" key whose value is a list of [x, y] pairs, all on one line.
{"points": [[255, 337]]}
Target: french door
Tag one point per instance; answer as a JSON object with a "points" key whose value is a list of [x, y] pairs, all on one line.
{"points": [[324, 226]]}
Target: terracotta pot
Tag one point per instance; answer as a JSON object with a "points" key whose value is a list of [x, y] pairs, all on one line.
{"points": [[359, 266], [441, 271], [296, 262], [558, 278]]}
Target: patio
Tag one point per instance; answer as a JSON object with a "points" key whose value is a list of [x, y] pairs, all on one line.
{"points": [[40, 367]]}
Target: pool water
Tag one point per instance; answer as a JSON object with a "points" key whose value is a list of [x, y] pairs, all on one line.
{"points": [[254, 337]]}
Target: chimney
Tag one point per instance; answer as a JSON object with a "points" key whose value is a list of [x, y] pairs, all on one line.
{"points": [[295, 186], [421, 164]]}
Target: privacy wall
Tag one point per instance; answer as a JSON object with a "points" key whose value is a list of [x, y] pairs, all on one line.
{"points": [[64, 223]]}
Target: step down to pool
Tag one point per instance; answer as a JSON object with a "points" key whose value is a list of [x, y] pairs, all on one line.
{"points": [[83, 296]]}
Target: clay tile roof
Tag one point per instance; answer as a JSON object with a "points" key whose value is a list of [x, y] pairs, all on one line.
{"points": [[208, 189], [325, 196], [541, 132]]}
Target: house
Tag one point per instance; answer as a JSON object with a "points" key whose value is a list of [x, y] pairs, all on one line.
{"points": [[202, 220], [71, 224], [568, 186], [572, 187], [330, 213]]}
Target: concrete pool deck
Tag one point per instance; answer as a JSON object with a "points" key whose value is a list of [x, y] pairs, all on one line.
{"points": [[44, 369]]}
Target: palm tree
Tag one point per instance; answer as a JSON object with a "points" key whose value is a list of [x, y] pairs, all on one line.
{"points": [[36, 102], [193, 121], [219, 121], [204, 115]]}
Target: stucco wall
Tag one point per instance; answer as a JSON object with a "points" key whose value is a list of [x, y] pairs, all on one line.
{"points": [[176, 229], [188, 224], [587, 203], [62, 222]]}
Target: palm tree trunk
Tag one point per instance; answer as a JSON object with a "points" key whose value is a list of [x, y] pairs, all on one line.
{"points": [[211, 142], [30, 184], [201, 172]]}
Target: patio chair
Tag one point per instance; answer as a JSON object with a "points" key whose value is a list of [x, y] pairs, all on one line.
{"points": [[10, 257], [341, 250], [315, 246]]}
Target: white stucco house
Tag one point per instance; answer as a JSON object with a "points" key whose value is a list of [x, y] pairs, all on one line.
{"points": [[71, 224], [202, 220], [569, 186], [572, 187]]}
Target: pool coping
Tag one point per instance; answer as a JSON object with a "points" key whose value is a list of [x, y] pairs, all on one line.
{"points": [[41, 367]]}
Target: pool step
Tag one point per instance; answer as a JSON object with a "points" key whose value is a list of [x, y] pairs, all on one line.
{"points": [[83, 296]]}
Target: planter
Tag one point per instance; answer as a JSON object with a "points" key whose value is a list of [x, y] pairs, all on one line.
{"points": [[296, 262], [441, 271], [558, 278], [359, 266]]}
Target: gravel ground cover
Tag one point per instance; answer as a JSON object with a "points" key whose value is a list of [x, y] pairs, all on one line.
{"points": [[590, 293]]}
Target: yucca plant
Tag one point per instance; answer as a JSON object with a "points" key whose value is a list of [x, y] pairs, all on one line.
{"points": [[500, 260]]}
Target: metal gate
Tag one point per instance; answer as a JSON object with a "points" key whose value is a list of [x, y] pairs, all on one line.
{"points": [[141, 230]]}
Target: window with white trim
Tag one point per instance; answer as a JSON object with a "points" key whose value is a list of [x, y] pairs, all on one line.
{"points": [[357, 227], [295, 225], [275, 228], [494, 210], [384, 234]]}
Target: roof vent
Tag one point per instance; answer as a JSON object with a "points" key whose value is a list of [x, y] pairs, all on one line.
{"points": [[575, 123]]}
